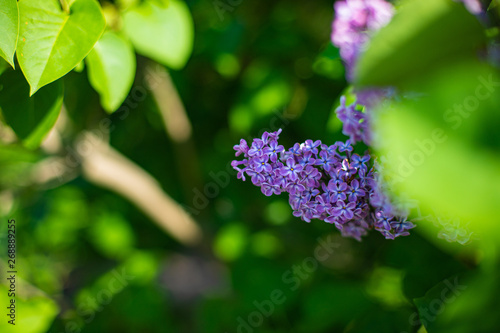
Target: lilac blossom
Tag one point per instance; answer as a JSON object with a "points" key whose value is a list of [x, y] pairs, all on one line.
{"points": [[337, 190], [356, 124], [330, 183], [344, 210], [355, 191], [291, 169], [354, 24], [355, 21], [273, 150]]}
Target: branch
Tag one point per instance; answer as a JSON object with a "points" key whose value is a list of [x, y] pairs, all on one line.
{"points": [[169, 103], [107, 168]]}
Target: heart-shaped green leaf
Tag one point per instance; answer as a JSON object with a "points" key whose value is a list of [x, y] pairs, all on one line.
{"points": [[111, 69], [31, 118], [162, 34], [52, 42], [9, 21]]}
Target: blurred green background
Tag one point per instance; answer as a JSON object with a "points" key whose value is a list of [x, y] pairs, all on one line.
{"points": [[93, 256]]}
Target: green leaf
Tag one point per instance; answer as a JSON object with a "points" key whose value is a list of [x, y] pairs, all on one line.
{"points": [[421, 37], [9, 21], [443, 148], [34, 313], [111, 68], [51, 42], [162, 34], [31, 118]]}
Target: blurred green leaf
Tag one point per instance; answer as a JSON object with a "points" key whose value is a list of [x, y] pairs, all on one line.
{"points": [[443, 148], [31, 118], [51, 42], [401, 255], [227, 65], [454, 304], [142, 266], [53, 231], [266, 92], [111, 66], [13, 153], [9, 21], [386, 285], [231, 241], [422, 36], [329, 64], [112, 236], [278, 212], [266, 244], [34, 314], [162, 34]]}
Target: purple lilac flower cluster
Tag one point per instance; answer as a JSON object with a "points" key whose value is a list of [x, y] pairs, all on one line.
{"points": [[325, 182], [355, 22]]}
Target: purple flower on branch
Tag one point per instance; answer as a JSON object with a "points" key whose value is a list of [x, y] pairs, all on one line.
{"points": [[311, 176], [312, 146], [242, 148], [344, 146], [270, 189], [325, 160], [337, 190], [383, 220], [291, 170], [257, 148], [306, 159], [345, 210], [273, 150], [296, 150], [322, 184], [355, 191], [359, 162], [355, 21], [401, 225], [261, 164]]}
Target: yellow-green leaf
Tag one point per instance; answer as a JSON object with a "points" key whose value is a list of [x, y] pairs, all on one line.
{"points": [[111, 68], [162, 34], [9, 21], [52, 42]]}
